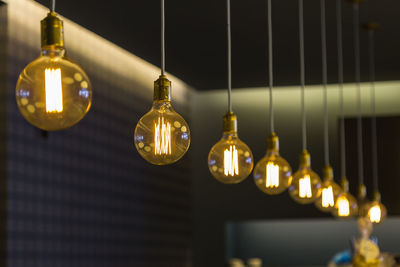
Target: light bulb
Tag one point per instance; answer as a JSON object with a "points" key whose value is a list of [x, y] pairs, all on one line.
{"points": [[329, 191], [230, 160], [346, 204], [272, 173], [376, 211], [306, 184], [52, 92], [362, 201], [162, 136]]}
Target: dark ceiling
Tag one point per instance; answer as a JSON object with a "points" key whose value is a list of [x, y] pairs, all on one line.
{"points": [[196, 37]]}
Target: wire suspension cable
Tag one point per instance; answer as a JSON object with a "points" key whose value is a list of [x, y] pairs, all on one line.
{"points": [[228, 26], [357, 77], [325, 81], [341, 96], [302, 74], [162, 37], [374, 138], [53, 6], [270, 67]]}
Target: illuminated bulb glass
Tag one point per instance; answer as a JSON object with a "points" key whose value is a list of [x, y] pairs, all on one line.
{"points": [[53, 92], [272, 173], [376, 211], [306, 184], [345, 205], [162, 136], [329, 192], [230, 160]]}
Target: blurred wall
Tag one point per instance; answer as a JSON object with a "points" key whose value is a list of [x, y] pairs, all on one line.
{"points": [[83, 196], [215, 204]]}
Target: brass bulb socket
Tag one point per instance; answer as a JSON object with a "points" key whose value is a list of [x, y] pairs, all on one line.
{"points": [[362, 191], [273, 142], [328, 172], [52, 31], [230, 122], [305, 159], [345, 184], [162, 89], [377, 196], [371, 26]]}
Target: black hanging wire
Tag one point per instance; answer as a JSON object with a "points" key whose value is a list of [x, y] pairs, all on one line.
{"points": [[53, 6], [162, 37], [324, 82], [228, 26], [270, 66], [302, 75]]}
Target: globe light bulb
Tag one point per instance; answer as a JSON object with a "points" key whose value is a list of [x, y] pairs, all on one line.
{"points": [[329, 191], [345, 205], [52, 92], [272, 173], [162, 136], [362, 201], [230, 160], [376, 211], [306, 184]]}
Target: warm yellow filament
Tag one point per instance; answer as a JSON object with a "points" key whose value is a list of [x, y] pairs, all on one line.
{"points": [[305, 187], [53, 90], [375, 214], [162, 137], [343, 206], [327, 197], [272, 180], [231, 163]]}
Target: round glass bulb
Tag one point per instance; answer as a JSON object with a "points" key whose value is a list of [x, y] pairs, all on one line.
{"points": [[345, 206], [306, 184], [162, 136], [376, 211], [329, 192], [272, 173], [52, 92]]}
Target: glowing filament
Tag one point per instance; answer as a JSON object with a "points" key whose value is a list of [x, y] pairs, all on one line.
{"points": [[305, 187], [231, 163], [53, 90], [327, 197], [374, 214], [343, 207], [162, 137], [272, 175]]}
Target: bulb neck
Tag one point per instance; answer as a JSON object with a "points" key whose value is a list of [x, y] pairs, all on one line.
{"points": [[162, 89], [362, 192], [52, 31], [53, 51], [328, 173], [230, 123], [377, 196], [273, 143], [345, 185], [305, 159]]}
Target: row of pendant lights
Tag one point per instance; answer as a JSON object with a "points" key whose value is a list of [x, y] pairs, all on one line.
{"points": [[54, 93]]}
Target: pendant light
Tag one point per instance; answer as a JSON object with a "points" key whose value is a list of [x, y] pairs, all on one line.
{"points": [[306, 184], [346, 204], [162, 136], [52, 92], [330, 190], [230, 160], [272, 173], [362, 190], [376, 211]]}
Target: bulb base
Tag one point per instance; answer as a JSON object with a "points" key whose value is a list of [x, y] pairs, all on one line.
{"points": [[230, 122], [345, 184], [305, 159], [362, 192], [273, 143], [377, 196], [52, 31], [371, 26], [162, 89], [328, 173]]}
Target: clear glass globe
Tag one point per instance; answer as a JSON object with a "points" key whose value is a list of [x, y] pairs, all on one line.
{"points": [[272, 173], [230, 160], [345, 206], [329, 192], [376, 211], [52, 92], [162, 136]]}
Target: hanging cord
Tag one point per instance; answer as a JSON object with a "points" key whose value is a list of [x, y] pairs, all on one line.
{"points": [[302, 74], [374, 146], [357, 77], [53, 6], [325, 81], [270, 63], [162, 37], [341, 97], [228, 26]]}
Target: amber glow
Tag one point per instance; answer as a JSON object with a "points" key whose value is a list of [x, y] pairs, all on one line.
{"points": [[231, 163], [375, 214], [162, 137], [305, 187], [272, 179], [343, 206], [327, 197], [53, 89]]}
